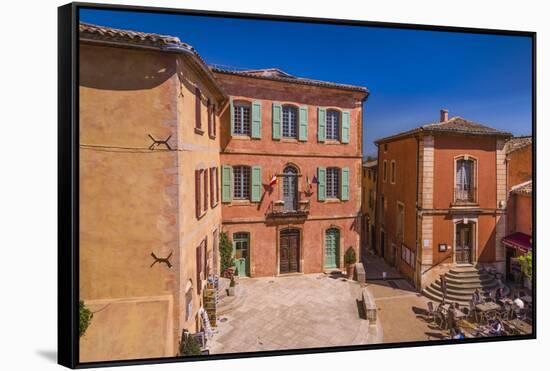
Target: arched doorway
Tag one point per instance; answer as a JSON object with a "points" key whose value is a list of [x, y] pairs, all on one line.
{"points": [[289, 251], [290, 188]]}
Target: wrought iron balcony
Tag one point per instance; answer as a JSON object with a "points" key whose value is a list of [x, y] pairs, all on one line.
{"points": [[465, 196], [278, 209]]}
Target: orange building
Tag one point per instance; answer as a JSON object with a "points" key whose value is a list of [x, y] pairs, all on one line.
{"points": [[441, 198], [519, 231], [148, 238], [291, 171], [368, 206]]}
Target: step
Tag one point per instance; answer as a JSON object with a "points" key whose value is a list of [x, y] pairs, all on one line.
{"points": [[468, 280], [451, 295], [469, 275], [468, 287], [438, 298], [460, 270]]}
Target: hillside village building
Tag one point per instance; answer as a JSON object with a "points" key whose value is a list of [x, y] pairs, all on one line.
{"points": [[291, 171], [441, 198], [150, 210]]}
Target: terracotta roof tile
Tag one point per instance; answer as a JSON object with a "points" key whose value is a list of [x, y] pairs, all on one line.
{"points": [[516, 143], [277, 74], [523, 188], [454, 125]]}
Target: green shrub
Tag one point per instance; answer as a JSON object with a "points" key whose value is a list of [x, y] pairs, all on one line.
{"points": [[226, 252], [526, 262], [85, 318], [349, 256], [189, 347]]}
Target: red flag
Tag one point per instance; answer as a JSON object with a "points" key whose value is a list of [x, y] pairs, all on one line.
{"points": [[273, 180]]}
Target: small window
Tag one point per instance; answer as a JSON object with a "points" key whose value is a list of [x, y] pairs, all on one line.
{"points": [[385, 147], [241, 182], [393, 172], [400, 221], [385, 171], [241, 124], [333, 182], [333, 125], [290, 122]]}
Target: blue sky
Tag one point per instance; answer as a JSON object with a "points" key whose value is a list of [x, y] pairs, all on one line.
{"points": [[411, 74]]}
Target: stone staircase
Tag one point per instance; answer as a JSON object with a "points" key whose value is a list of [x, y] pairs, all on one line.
{"points": [[462, 281]]}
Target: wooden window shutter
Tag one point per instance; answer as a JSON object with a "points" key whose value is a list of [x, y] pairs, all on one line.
{"points": [[322, 185], [256, 120], [198, 267], [205, 174], [256, 184], [344, 192], [217, 185], [198, 193], [345, 126], [302, 128], [321, 124], [209, 108], [212, 190], [198, 122], [227, 175], [232, 114], [276, 118]]}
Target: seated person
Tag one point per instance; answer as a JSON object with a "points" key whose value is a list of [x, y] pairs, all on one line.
{"points": [[477, 297], [499, 295], [496, 328], [518, 302]]}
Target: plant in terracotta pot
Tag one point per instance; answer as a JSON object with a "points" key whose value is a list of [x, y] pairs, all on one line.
{"points": [[350, 259]]}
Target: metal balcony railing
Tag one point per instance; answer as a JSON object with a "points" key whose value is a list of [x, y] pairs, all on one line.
{"points": [[465, 195], [277, 209]]}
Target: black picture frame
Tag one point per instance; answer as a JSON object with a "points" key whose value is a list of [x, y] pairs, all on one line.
{"points": [[68, 182]]}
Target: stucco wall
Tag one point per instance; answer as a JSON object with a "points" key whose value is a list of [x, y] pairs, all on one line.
{"points": [[128, 200], [403, 152], [520, 166]]}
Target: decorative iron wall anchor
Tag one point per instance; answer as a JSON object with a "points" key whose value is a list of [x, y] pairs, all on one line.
{"points": [[157, 143], [162, 260]]}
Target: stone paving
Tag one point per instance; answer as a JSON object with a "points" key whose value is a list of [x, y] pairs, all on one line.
{"points": [[303, 311], [401, 308]]}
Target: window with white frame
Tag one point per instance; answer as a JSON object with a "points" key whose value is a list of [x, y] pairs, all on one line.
{"points": [[241, 182], [241, 119], [333, 182], [290, 122], [333, 125]]}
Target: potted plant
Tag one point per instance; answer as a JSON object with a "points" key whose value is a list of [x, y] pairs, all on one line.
{"points": [[350, 259], [189, 346]]}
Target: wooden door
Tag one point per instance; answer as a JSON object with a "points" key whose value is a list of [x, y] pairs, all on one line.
{"points": [[332, 243], [289, 251], [463, 243]]}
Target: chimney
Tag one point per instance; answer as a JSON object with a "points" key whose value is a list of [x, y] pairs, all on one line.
{"points": [[443, 115]]}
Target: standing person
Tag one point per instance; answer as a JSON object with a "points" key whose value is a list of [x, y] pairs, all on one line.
{"points": [[477, 298]]}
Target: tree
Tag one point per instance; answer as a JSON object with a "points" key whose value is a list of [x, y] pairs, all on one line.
{"points": [[226, 252]]}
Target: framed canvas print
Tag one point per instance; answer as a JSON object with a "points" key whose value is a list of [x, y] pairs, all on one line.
{"points": [[238, 185]]}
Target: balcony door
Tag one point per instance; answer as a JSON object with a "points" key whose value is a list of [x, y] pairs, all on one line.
{"points": [[464, 181], [290, 188], [464, 243]]}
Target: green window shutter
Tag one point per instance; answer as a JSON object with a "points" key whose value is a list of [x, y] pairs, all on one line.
{"points": [[322, 186], [256, 183], [232, 114], [302, 129], [321, 124], [227, 175], [344, 193], [277, 115], [256, 120], [345, 126]]}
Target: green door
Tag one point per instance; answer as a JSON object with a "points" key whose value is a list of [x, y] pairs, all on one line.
{"points": [[241, 246], [332, 247]]}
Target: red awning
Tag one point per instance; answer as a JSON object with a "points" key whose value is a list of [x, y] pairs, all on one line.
{"points": [[518, 240]]}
